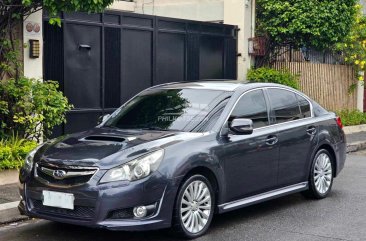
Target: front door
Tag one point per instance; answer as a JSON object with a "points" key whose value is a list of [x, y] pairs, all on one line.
{"points": [[250, 161]]}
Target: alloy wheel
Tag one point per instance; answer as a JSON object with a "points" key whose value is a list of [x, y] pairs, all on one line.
{"points": [[323, 173], [195, 206]]}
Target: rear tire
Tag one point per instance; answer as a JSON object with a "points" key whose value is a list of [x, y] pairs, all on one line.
{"points": [[321, 175], [194, 207]]}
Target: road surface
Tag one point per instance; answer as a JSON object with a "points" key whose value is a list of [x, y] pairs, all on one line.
{"points": [[341, 216]]}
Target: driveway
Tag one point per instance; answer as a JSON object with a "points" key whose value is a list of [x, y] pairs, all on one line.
{"points": [[342, 216]]}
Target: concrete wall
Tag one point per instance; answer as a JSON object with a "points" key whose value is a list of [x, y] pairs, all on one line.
{"points": [[241, 13], [201, 10], [33, 68]]}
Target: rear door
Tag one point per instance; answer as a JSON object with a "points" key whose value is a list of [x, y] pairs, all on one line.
{"points": [[297, 134]]}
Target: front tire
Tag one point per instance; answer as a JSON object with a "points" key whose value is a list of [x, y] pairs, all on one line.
{"points": [[321, 175], [194, 207]]}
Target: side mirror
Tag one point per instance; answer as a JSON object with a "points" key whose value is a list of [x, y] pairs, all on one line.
{"points": [[103, 118], [242, 126]]}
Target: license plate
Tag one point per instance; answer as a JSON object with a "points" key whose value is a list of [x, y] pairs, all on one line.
{"points": [[58, 199]]}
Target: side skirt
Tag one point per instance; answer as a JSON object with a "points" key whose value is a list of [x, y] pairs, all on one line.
{"points": [[262, 197]]}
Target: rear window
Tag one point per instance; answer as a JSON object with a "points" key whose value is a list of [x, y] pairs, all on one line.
{"points": [[304, 107], [284, 105], [318, 110]]}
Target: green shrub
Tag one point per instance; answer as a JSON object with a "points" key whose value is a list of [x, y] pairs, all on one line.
{"points": [[13, 152], [352, 117], [30, 108], [268, 75]]}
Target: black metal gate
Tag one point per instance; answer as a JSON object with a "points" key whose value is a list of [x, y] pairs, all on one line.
{"points": [[102, 60]]}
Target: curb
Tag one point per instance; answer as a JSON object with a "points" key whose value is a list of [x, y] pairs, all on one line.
{"points": [[8, 177], [11, 215], [356, 146], [354, 129]]}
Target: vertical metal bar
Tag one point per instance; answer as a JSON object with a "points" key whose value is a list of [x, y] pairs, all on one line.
{"points": [[224, 57], [121, 73], [154, 48], [63, 68], [186, 52], [102, 84]]}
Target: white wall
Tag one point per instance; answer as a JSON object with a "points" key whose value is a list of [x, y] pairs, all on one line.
{"points": [[240, 12], [200, 10], [33, 68], [123, 6]]}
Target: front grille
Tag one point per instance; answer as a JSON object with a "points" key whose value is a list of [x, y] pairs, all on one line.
{"points": [[70, 176], [79, 212], [126, 213]]}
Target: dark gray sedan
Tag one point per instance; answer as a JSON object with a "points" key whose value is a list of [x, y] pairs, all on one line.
{"points": [[176, 154]]}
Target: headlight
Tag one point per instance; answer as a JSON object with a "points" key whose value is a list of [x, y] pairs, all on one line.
{"points": [[28, 164], [135, 169]]}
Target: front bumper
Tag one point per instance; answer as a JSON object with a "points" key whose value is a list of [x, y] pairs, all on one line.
{"points": [[95, 203]]}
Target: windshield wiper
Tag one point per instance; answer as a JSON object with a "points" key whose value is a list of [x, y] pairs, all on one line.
{"points": [[156, 128]]}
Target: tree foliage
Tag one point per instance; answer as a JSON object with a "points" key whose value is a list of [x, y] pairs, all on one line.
{"points": [[354, 45], [265, 75], [318, 24], [30, 108]]}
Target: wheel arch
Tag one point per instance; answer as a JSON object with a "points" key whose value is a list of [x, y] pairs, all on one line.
{"points": [[210, 174], [329, 148]]}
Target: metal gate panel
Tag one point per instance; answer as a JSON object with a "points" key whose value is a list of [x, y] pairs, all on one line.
{"points": [[211, 57], [101, 60], [193, 56], [112, 67], [81, 120], [230, 58], [136, 64], [170, 58], [83, 65]]}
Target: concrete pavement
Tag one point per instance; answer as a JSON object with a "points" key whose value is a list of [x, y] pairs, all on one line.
{"points": [[356, 141], [9, 200], [341, 216]]}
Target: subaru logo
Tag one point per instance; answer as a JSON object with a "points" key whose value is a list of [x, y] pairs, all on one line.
{"points": [[59, 174]]}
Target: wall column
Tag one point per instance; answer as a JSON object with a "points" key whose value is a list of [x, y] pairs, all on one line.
{"points": [[241, 13], [32, 29], [360, 92]]}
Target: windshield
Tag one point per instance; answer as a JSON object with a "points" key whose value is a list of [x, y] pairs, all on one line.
{"points": [[171, 109]]}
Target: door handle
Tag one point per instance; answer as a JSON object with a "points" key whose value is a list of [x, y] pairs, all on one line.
{"points": [[311, 130], [271, 140]]}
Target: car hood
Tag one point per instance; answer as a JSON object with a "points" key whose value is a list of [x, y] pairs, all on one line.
{"points": [[106, 148]]}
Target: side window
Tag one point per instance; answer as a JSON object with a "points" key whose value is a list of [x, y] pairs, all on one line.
{"points": [[252, 106], [304, 107], [284, 105]]}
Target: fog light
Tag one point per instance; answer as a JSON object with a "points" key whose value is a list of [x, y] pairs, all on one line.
{"points": [[140, 211]]}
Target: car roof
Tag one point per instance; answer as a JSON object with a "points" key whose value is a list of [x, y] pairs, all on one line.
{"points": [[217, 84]]}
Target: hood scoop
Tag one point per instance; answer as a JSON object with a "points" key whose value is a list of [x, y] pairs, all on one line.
{"points": [[105, 138]]}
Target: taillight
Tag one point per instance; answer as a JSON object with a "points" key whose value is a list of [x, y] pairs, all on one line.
{"points": [[339, 122]]}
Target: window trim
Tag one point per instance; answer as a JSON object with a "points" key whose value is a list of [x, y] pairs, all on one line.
{"points": [[273, 116], [236, 102], [295, 92], [265, 101], [269, 108], [300, 105]]}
